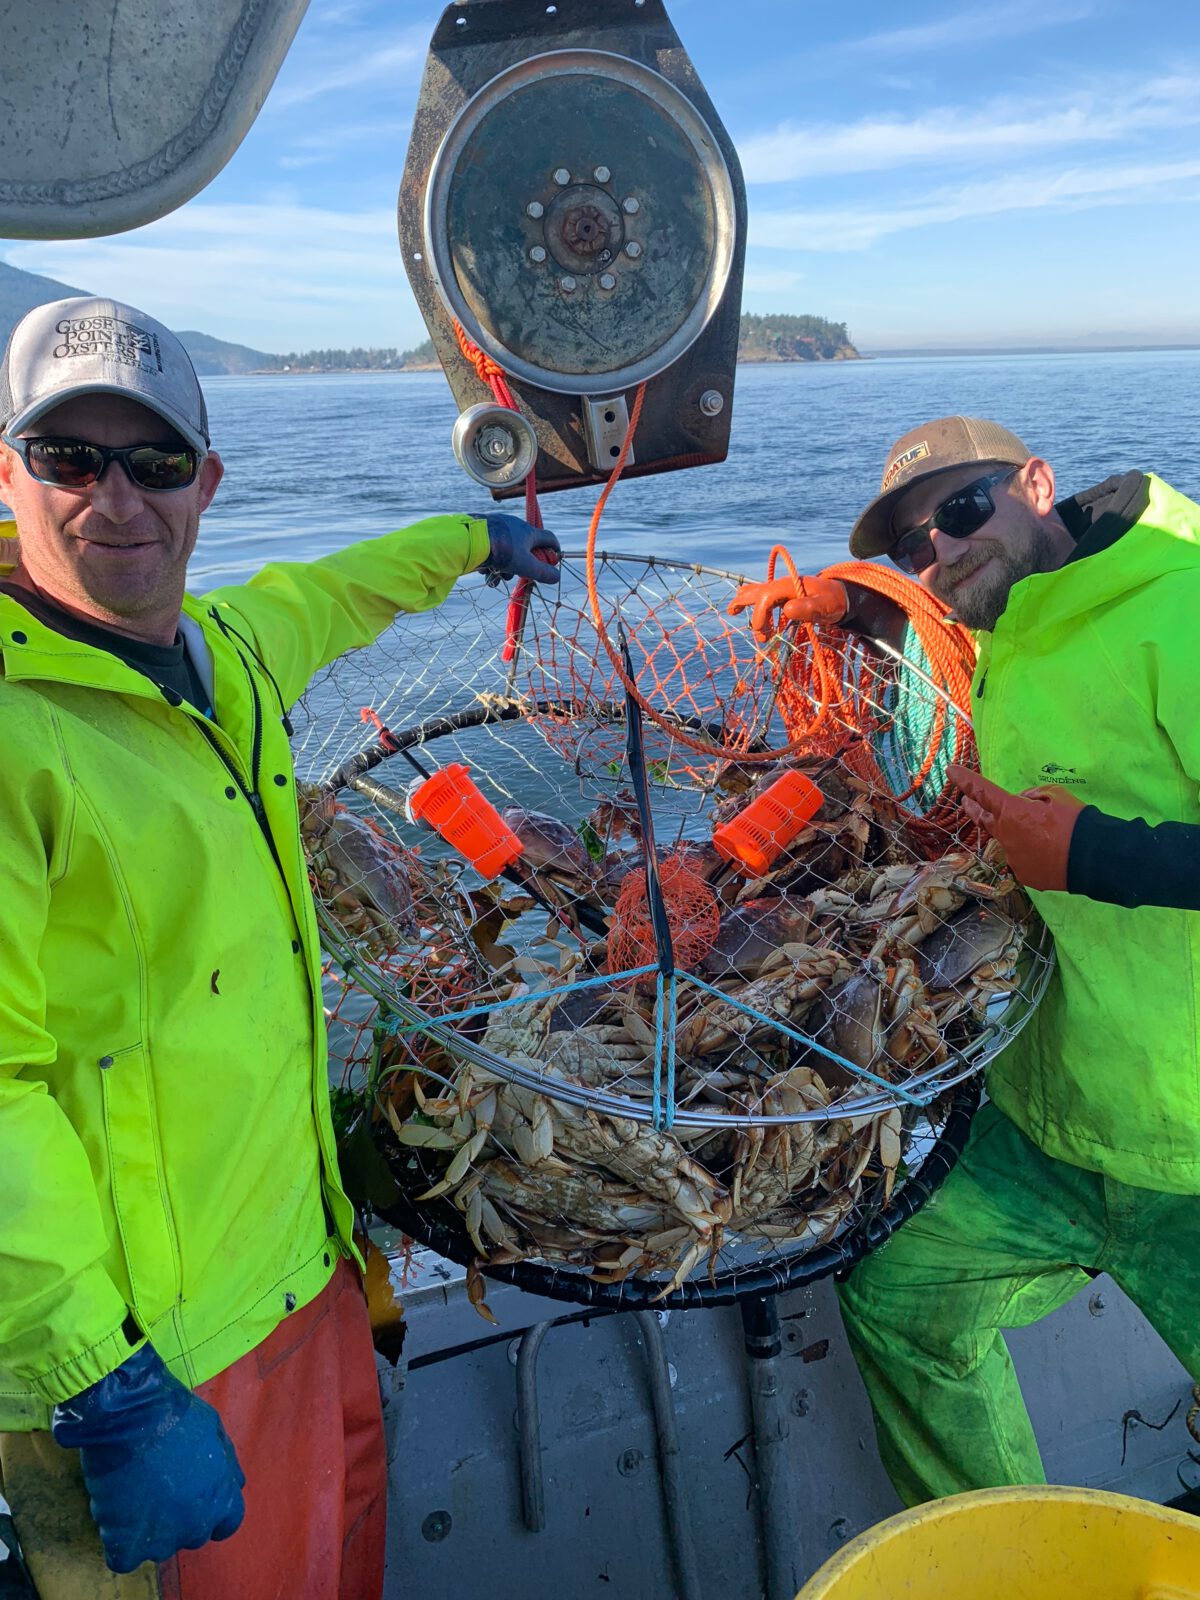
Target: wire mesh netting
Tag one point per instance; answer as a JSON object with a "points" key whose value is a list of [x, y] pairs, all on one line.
{"points": [[650, 1040]]}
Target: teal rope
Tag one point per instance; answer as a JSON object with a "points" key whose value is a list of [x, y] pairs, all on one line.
{"points": [[902, 746], [656, 1109], [397, 1024], [804, 1038], [671, 1011]]}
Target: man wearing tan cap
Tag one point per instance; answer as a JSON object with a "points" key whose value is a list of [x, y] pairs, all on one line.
{"points": [[188, 1396], [1087, 1157]]}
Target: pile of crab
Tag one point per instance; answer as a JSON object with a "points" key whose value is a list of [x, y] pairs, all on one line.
{"points": [[515, 1067]]}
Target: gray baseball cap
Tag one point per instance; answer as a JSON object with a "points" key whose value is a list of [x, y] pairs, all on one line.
{"points": [[85, 345], [922, 453]]}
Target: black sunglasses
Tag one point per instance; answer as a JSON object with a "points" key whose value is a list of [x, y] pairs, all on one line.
{"points": [[76, 464], [960, 515]]}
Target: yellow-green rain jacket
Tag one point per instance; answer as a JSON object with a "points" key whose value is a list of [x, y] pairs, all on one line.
{"points": [[1092, 679], [167, 1163]]}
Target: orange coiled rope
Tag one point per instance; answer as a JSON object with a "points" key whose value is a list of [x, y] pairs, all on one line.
{"points": [[821, 700], [822, 704]]}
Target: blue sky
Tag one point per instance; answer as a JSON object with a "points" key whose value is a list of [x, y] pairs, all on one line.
{"points": [[1019, 171]]}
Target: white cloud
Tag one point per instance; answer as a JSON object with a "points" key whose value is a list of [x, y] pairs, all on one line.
{"points": [[859, 227], [771, 280], [274, 275], [318, 149], [394, 63], [1103, 114], [963, 29]]}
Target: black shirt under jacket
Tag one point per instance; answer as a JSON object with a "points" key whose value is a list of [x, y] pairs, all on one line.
{"points": [[169, 666]]}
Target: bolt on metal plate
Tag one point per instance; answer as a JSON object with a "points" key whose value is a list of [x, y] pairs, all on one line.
{"points": [[605, 423], [712, 402]]}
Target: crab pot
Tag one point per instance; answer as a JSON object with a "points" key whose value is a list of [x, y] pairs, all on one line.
{"points": [[547, 1103]]}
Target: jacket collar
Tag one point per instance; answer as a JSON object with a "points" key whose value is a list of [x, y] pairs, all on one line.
{"points": [[32, 651], [1096, 518]]}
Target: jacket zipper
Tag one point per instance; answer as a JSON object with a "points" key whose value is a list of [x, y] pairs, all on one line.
{"points": [[251, 795], [328, 1158]]}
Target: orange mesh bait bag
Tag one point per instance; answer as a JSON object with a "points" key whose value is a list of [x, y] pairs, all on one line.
{"points": [[693, 916]]}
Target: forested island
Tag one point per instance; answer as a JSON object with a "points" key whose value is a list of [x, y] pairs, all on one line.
{"points": [[790, 338]]}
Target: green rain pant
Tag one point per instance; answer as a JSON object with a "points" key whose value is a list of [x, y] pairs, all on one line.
{"points": [[1011, 1235]]}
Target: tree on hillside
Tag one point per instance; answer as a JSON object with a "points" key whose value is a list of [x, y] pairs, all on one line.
{"points": [[792, 338], [357, 359]]}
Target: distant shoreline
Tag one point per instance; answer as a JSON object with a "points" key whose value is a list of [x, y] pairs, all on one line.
{"points": [[1025, 350], [434, 366], [949, 352]]}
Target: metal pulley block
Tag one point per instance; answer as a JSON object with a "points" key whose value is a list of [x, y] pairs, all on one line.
{"points": [[572, 201], [495, 446]]}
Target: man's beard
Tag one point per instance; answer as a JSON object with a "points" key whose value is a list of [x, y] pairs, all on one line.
{"points": [[980, 604]]}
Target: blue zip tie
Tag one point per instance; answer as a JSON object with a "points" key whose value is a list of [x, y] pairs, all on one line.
{"points": [[663, 1117], [397, 1025], [656, 1111], [671, 1013], [804, 1038]]}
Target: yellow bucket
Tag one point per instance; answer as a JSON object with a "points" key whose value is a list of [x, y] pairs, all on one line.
{"points": [[1020, 1544]]}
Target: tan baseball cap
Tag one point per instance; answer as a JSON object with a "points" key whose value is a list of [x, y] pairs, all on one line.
{"points": [[86, 345], [932, 448]]}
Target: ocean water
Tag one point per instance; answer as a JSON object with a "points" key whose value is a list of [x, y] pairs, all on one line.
{"points": [[314, 462]]}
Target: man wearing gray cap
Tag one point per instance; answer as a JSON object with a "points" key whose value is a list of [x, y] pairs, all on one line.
{"points": [[1087, 1156], [188, 1400]]}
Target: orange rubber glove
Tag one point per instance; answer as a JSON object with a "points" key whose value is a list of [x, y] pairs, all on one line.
{"points": [[1034, 827], [801, 600]]}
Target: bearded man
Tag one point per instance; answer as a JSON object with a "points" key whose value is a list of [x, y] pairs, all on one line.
{"points": [[1087, 1157]]}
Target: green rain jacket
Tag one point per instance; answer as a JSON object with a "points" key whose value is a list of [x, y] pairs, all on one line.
{"points": [[1090, 681], [167, 1165]]}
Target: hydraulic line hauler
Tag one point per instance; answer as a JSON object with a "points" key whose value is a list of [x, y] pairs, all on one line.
{"points": [[572, 218]]}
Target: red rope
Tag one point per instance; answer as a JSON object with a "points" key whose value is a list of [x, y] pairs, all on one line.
{"points": [[488, 372], [492, 374]]}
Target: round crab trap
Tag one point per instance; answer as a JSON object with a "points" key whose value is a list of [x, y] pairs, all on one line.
{"points": [[649, 979]]}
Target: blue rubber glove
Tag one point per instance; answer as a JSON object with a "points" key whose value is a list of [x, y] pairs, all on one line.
{"points": [[515, 544], [159, 1467]]}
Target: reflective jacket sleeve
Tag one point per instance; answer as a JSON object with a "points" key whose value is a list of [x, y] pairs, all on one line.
{"points": [[61, 1315], [303, 615]]}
